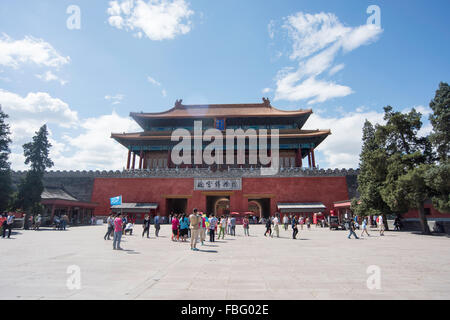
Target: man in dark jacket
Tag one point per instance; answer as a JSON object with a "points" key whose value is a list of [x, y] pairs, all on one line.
{"points": [[146, 226], [351, 228]]}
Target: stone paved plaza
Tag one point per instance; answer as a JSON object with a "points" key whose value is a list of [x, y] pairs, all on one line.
{"points": [[322, 264]]}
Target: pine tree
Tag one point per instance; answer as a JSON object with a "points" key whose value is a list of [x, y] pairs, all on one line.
{"points": [[5, 166], [37, 155], [373, 170], [437, 177], [409, 158], [440, 120]]}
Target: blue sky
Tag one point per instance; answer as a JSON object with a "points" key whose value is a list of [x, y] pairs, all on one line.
{"points": [[300, 54]]}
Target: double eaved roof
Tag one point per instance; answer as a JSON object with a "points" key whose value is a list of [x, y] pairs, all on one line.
{"points": [[180, 110]]}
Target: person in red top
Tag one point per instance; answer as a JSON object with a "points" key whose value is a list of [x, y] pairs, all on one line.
{"points": [[118, 226], [175, 225]]}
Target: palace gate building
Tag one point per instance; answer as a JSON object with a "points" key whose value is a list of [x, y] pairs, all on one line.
{"points": [[152, 182]]}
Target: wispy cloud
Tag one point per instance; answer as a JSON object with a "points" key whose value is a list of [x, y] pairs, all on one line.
{"points": [[316, 42], [158, 84], [116, 99], [153, 81], [50, 76]]}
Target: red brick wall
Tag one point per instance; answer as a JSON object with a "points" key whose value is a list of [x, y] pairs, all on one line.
{"points": [[315, 189], [433, 213]]}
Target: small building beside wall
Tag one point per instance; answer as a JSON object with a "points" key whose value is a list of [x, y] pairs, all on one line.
{"points": [[59, 202]]}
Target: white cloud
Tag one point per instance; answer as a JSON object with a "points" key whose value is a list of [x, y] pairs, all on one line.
{"points": [[153, 81], [266, 90], [270, 29], [157, 19], [86, 143], [93, 149], [316, 41], [116, 99], [50, 76], [158, 84], [336, 69], [342, 148], [14, 53], [29, 113]]}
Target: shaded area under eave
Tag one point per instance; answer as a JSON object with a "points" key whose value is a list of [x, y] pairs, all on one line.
{"points": [[301, 207], [134, 207]]}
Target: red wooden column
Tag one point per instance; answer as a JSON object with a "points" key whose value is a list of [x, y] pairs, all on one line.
{"points": [[298, 160], [313, 158], [134, 161], [141, 159], [144, 164], [129, 160], [309, 158]]}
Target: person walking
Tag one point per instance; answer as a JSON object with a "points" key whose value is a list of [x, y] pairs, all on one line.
{"points": [[118, 228], [175, 226], [246, 224], [195, 221], [228, 226], [7, 225], [233, 226], [351, 228], [301, 222], [222, 227], [157, 222], [381, 224], [276, 225], [110, 224], [294, 228], [268, 227], [364, 228], [203, 227], [65, 221], [184, 226], [124, 224], [285, 222], [308, 223], [146, 226], [212, 227]]}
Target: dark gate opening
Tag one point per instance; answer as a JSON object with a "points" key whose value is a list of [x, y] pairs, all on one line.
{"points": [[176, 206]]}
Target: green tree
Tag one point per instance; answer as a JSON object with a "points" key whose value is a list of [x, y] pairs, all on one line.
{"points": [[372, 174], [440, 120], [437, 177], [5, 166], [30, 189], [409, 157]]}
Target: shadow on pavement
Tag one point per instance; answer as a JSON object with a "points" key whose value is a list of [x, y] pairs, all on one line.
{"points": [[208, 251]]}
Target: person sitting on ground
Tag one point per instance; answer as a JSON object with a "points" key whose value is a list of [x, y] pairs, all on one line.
{"points": [[129, 228]]}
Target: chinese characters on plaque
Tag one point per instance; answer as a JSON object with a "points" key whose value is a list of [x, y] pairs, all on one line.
{"points": [[217, 184]]}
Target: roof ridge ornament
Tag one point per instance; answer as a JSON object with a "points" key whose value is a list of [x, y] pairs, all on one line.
{"points": [[266, 102], [178, 103]]}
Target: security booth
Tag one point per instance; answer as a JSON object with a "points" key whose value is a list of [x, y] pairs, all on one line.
{"points": [[136, 211]]}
